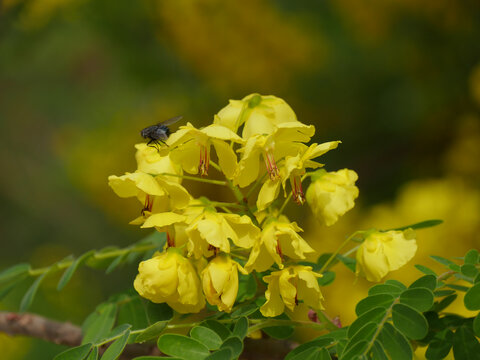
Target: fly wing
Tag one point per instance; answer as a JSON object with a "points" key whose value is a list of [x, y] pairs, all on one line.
{"points": [[171, 121]]}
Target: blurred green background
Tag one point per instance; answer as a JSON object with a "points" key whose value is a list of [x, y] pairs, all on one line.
{"points": [[397, 81]]}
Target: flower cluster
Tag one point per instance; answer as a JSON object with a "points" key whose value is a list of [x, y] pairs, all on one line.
{"points": [[261, 149]]}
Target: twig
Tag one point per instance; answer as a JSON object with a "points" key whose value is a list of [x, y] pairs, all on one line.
{"points": [[62, 333]]}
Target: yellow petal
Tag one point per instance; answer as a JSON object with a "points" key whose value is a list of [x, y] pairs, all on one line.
{"points": [[274, 305], [179, 196], [287, 290], [246, 232], [226, 157], [399, 250], [130, 185], [268, 193], [188, 156], [163, 219], [221, 132], [249, 165]]}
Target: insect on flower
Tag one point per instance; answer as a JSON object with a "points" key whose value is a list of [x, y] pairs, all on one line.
{"points": [[159, 133]]}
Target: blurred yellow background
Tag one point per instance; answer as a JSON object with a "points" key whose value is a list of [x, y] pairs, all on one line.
{"points": [[397, 81]]}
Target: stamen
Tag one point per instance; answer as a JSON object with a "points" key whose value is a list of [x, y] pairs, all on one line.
{"points": [[204, 160], [148, 204], [297, 191], [214, 248], [279, 249], [271, 165], [170, 240]]}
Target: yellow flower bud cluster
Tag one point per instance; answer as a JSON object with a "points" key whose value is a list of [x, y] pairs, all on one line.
{"points": [[260, 148]]}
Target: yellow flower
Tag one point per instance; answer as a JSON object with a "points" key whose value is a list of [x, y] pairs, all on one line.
{"points": [[382, 252], [171, 278], [164, 222], [293, 169], [190, 147], [220, 282], [288, 286], [285, 140], [259, 113], [211, 232], [277, 238], [151, 162], [156, 192], [332, 194]]}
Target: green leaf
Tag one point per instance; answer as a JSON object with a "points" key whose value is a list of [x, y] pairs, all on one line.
{"points": [[363, 335], [384, 289], [465, 345], [456, 268], [247, 287], [443, 304], [370, 302], [151, 332], [158, 312], [13, 284], [438, 349], [396, 283], [457, 287], [234, 344], [207, 337], [279, 332], [100, 323], [67, 275], [14, 271], [469, 270], [327, 278], [241, 328], [151, 357], [425, 270], [472, 257], [133, 312], [320, 354], [421, 225], [349, 262], [244, 310], [182, 347], [378, 352], [420, 299], [472, 298], [219, 328], [442, 260], [316, 343], [372, 316], [116, 262], [31, 292], [442, 293], [476, 325], [116, 348], [76, 353], [409, 321], [427, 281], [395, 344], [223, 354], [115, 333], [350, 352], [93, 354]]}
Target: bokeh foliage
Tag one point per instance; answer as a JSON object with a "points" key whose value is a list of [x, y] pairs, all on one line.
{"points": [[397, 82]]}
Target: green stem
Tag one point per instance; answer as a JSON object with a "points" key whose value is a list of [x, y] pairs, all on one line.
{"points": [[290, 196], [97, 255], [333, 256], [193, 178], [254, 186], [261, 323]]}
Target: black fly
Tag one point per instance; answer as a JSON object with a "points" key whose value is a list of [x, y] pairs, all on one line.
{"points": [[159, 133]]}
